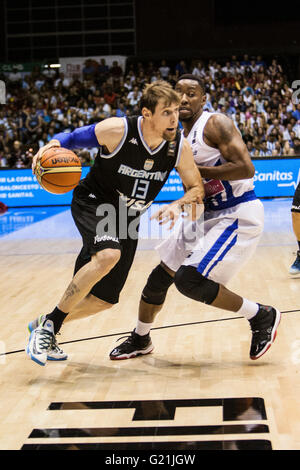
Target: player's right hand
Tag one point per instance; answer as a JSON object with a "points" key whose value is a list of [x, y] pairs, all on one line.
{"points": [[38, 155]]}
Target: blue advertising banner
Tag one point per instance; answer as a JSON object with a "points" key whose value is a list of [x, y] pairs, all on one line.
{"points": [[20, 188], [172, 189], [274, 177]]}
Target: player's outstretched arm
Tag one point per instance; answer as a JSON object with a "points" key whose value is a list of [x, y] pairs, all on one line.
{"points": [[107, 133], [221, 133], [191, 202]]}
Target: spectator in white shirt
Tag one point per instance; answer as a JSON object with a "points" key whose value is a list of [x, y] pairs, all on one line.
{"points": [[264, 151], [134, 96], [276, 125], [164, 69], [248, 97], [39, 83], [213, 69], [271, 143], [104, 108], [239, 117], [254, 67], [128, 84], [286, 133], [254, 119], [199, 70], [228, 68], [296, 129], [62, 79], [259, 103]]}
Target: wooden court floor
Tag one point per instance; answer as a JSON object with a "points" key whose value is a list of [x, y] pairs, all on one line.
{"points": [[197, 390]]}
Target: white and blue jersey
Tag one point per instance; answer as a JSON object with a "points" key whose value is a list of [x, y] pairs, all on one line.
{"points": [[231, 227], [219, 194]]}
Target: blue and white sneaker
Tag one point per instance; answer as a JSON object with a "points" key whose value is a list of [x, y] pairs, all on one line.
{"points": [[54, 352], [295, 268], [40, 342], [36, 323]]}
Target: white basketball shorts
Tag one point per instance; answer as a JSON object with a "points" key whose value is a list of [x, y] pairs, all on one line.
{"points": [[229, 240]]}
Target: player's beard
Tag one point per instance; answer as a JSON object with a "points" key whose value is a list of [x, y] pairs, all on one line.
{"points": [[186, 118], [191, 116]]}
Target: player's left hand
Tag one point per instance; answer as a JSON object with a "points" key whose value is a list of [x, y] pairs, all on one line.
{"points": [[172, 212], [168, 213]]}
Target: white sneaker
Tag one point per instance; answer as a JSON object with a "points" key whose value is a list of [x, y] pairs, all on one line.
{"points": [[40, 343], [55, 353]]}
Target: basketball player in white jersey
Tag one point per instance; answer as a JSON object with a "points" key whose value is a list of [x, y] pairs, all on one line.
{"points": [[233, 224]]}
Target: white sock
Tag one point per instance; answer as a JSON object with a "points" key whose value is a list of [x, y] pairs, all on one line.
{"points": [[142, 328], [248, 309]]}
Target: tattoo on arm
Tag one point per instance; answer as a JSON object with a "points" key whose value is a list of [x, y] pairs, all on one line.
{"points": [[219, 129], [221, 133], [225, 131]]}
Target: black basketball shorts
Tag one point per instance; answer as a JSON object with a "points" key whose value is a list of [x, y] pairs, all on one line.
{"points": [[100, 229], [296, 200]]}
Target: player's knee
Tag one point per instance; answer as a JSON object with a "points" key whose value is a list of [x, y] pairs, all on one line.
{"points": [[157, 286], [107, 258], [194, 285]]}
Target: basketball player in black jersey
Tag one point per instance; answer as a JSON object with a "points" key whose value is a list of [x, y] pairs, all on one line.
{"points": [[134, 161]]}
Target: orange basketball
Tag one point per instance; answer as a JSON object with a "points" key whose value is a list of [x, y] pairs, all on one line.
{"points": [[58, 170]]}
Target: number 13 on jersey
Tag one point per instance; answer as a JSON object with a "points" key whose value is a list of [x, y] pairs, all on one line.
{"points": [[140, 189], [137, 199]]}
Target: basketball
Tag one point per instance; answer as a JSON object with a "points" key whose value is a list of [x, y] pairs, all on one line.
{"points": [[58, 171]]}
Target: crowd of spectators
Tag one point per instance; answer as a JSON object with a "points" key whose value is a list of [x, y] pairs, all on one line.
{"points": [[253, 92]]}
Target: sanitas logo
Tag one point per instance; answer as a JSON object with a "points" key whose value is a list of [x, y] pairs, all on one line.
{"points": [[274, 176]]}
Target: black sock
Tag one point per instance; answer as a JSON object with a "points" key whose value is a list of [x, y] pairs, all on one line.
{"points": [[57, 316]]}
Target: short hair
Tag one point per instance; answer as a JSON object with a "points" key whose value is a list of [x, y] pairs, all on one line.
{"points": [[155, 91], [190, 76]]}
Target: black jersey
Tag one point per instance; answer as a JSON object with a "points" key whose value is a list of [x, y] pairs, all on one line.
{"points": [[133, 172]]}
